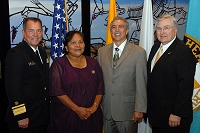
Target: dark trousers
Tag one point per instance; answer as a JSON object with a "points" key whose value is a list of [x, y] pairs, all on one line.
{"points": [[16, 129], [179, 129]]}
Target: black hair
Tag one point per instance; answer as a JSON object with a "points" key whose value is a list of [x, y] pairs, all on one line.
{"points": [[69, 36]]}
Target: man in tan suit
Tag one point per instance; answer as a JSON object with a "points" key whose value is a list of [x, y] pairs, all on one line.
{"points": [[124, 71]]}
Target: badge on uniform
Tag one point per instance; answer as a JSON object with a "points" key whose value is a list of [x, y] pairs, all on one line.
{"points": [[31, 63]]}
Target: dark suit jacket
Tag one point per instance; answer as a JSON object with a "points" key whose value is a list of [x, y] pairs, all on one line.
{"points": [[125, 85], [27, 86], [170, 84]]}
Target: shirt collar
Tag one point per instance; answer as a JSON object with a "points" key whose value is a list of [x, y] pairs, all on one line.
{"points": [[121, 46], [168, 44], [34, 49]]}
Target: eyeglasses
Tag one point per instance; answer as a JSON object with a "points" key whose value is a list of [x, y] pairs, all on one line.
{"points": [[166, 29]]}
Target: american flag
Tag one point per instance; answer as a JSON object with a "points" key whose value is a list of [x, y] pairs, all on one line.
{"points": [[58, 29]]}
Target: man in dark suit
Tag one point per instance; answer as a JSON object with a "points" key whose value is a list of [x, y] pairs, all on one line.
{"points": [[125, 98], [26, 78], [170, 80]]}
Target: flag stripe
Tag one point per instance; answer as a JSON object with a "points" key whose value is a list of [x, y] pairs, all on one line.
{"points": [[111, 15]]}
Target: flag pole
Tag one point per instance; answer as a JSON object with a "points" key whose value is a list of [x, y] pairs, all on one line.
{"points": [[66, 12]]}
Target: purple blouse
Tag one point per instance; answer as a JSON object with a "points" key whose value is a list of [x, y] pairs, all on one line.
{"points": [[81, 85]]}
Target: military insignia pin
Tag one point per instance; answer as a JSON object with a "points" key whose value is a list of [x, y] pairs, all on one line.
{"points": [[16, 102]]}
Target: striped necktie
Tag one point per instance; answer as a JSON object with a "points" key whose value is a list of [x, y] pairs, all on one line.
{"points": [[116, 57]]}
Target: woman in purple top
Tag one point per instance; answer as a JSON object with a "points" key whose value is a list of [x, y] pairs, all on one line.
{"points": [[76, 90]]}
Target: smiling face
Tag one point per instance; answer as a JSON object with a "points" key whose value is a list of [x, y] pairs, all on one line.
{"points": [[75, 46], [32, 33], [119, 31], [165, 31]]}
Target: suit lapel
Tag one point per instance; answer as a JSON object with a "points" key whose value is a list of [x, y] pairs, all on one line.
{"points": [[43, 57], [110, 55], [151, 55], [32, 55], [42, 54], [125, 52], [165, 55], [153, 51]]}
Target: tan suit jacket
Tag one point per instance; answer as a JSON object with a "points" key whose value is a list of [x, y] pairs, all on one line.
{"points": [[125, 85]]}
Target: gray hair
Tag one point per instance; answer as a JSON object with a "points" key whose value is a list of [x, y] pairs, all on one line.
{"points": [[119, 18], [167, 16]]}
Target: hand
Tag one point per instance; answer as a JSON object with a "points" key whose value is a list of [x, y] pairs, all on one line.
{"points": [[92, 109], [83, 113], [174, 120], [23, 123], [137, 117]]}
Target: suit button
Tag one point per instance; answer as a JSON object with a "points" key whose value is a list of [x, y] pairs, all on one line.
{"points": [[45, 99], [112, 94], [45, 88]]}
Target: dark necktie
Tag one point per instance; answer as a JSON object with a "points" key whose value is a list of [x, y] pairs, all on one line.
{"points": [[39, 60], [116, 57], [38, 56]]}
